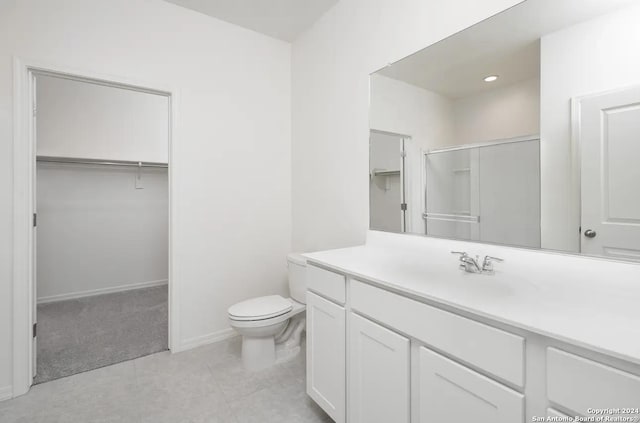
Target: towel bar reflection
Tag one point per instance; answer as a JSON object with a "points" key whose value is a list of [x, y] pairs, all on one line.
{"points": [[452, 217]]}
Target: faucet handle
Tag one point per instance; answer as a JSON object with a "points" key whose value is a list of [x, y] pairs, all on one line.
{"points": [[462, 253], [489, 258], [487, 263]]}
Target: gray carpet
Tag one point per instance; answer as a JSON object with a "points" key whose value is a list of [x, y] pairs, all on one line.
{"points": [[83, 334]]}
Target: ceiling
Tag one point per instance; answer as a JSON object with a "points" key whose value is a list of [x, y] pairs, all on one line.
{"points": [[507, 44], [283, 19]]}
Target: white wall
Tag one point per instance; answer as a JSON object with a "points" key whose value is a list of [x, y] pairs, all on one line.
{"points": [[588, 58], [505, 112], [232, 151], [98, 233], [436, 121], [402, 108], [82, 120]]}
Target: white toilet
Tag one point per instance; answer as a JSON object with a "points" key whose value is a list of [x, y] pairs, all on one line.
{"points": [[271, 326]]}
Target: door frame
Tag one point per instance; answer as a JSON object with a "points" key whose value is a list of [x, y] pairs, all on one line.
{"points": [[24, 165]]}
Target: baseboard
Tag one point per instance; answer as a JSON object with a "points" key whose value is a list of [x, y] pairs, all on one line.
{"points": [[99, 291], [6, 392], [210, 338]]}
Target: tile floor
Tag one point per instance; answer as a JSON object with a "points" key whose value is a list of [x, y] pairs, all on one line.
{"points": [[203, 385]]}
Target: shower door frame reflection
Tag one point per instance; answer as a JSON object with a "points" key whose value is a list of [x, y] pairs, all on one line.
{"points": [[471, 218]]}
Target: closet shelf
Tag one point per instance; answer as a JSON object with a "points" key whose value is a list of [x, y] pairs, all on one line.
{"points": [[74, 160]]}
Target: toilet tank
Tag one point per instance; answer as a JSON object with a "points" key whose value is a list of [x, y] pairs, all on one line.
{"points": [[297, 265]]}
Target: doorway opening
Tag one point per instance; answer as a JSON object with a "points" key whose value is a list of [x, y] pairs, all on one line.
{"points": [[387, 181], [92, 169]]}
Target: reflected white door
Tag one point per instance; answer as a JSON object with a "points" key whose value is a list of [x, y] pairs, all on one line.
{"points": [[610, 174]]}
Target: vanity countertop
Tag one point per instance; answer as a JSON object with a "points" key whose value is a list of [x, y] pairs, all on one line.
{"points": [[587, 302]]}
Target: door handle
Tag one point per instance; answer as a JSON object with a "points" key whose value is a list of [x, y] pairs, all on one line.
{"points": [[590, 233]]}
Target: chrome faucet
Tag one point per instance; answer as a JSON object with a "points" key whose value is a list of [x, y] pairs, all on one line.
{"points": [[470, 264]]}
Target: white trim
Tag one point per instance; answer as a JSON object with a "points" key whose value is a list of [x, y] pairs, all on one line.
{"points": [[393, 134], [575, 169], [23, 201], [23, 156], [100, 291], [484, 144], [211, 338], [6, 392]]}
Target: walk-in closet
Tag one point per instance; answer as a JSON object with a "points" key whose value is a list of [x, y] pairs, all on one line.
{"points": [[101, 220]]}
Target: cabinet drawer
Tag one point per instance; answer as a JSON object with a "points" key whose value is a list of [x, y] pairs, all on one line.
{"points": [[578, 384], [492, 350], [451, 392], [555, 413], [326, 283]]}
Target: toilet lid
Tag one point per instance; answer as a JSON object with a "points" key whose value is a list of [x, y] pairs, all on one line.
{"points": [[260, 308]]}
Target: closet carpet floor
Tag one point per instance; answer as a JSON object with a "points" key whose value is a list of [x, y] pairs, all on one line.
{"points": [[83, 334]]}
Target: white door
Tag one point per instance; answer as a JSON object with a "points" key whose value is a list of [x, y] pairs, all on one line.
{"points": [[452, 393], [379, 373], [609, 140], [326, 355]]}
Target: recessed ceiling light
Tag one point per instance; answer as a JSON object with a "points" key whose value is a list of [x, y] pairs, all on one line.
{"points": [[490, 78]]}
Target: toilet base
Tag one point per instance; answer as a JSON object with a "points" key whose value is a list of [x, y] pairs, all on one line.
{"points": [[261, 352], [258, 353]]}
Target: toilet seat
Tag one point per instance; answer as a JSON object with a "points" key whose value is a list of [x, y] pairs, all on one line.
{"points": [[260, 308]]}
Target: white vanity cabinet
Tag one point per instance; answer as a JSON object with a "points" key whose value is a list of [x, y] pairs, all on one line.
{"points": [[379, 373], [378, 354]]}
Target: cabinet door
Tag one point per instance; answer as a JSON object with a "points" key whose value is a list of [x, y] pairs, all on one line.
{"points": [[452, 393], [326, 355], [379, 375]]}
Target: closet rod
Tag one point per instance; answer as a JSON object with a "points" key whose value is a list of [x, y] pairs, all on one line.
{"points": [[51, 159]]}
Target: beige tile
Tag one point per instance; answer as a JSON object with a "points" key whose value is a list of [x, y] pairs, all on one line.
{"points": [[108, 394], [236, 382], [185, 407], [203, 385], [277, 404]]}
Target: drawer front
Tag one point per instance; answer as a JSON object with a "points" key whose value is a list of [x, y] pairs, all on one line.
{"points": [[451, 392], [578, 384], [326, 283], [555, 413], [492, 350]]}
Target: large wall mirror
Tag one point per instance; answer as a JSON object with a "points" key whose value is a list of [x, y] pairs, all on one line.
{"points": [[522, 130]]}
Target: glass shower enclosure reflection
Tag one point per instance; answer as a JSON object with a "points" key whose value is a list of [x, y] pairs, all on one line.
{"points": [[487, 193]]}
